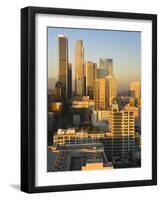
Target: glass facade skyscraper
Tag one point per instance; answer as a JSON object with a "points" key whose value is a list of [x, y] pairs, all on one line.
{"points": [[63, 62], [79, 68]]}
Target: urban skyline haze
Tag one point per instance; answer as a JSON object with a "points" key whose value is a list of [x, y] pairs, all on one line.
{"points": [[122, 46]]}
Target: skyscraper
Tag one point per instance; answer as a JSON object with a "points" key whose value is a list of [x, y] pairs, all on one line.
{"points": [[107, 65], [69, 85], [100, 94], [91, 75], [135, 89], [63, 62], [79, 68], [111, 89], [105, 92]]}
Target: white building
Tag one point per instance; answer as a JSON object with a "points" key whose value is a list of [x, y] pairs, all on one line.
{"points": [[111, 87]]}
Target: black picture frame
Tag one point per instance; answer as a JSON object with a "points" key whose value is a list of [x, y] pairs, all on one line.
{"points": [[28, 98]]}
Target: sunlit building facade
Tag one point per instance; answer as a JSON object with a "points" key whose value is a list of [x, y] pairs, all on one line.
{"points": [[135, 89], [79, 68], [71, 136], [105, 92], [63, 62], [111, 88], [122, 127], [91, 75], [100, 97]]}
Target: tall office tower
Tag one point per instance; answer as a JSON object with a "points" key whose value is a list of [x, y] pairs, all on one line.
{"points": [[122, 127], [100, 94], [69, 85], [91, 75], [135, 89], [105, 92], [111, 89], [79, 68], [107, 65], [63, 62]]}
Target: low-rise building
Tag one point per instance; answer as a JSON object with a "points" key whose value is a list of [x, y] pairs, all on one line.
{"points": [[71, 157]]}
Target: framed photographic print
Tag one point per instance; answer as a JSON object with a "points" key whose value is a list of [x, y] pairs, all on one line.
{"points": [[88, 99]]}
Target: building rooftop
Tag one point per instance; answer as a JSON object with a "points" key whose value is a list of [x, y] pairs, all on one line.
{"points": [[61, 35], [76, 156]]}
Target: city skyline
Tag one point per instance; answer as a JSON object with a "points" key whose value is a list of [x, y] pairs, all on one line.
{"points": [[93, 126], [121, 46]]}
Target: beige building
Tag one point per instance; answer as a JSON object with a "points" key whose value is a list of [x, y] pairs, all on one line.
{"points": [[96, 166], [122, 127], [135, 109], [111, 88], [122, 122], [71, 136], [79, 68], [100, 94], [137, 113], [105, 92], [135, 89], [118, 144], [91, 75]]}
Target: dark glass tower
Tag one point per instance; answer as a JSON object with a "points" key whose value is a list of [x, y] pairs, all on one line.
{"points": [[63, 63]]}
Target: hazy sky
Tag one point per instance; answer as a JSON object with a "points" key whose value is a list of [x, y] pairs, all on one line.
{"points": [[122, 46]]}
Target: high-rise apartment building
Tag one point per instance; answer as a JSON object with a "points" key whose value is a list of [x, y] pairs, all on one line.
{"points": [[63, 62], [91, 75], [122, 127], [111, 89], [135, 89], [79, 68], [107, 65]]}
